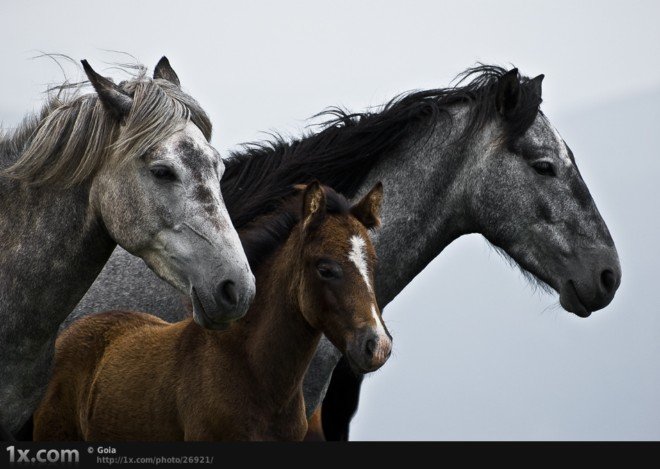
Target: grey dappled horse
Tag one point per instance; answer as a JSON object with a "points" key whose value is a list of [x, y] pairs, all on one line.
{"points": [[479, 157], [130, 165]]}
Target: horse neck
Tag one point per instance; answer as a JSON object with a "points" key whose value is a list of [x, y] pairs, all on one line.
{"points": [[424, 205], [427, 190], [53, 249], [280, 342]]}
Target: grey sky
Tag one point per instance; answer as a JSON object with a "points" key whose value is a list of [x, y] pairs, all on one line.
{"points": [[477, 353]]}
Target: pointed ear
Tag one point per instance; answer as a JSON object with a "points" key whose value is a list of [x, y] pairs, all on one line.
{"points": [[115, 101], [165, 71], [508, 93], [313, 206], [367, 210], [535, 85]]}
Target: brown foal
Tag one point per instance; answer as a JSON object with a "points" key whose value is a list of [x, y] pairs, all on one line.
{"points": [[131, 376]]}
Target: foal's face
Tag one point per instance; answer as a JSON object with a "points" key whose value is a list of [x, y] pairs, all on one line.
{"points": [[337, 291]]}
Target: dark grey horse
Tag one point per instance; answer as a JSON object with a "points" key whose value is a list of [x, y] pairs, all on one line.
{"points": [[129, 165], [476, 158]]}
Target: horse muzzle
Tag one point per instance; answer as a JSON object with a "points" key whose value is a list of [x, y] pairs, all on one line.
{"points": [[369, 350], [593, 290], [217, 306]]}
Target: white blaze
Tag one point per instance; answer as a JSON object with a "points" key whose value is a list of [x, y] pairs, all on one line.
{"points": [[380, 327], [358, 256]]}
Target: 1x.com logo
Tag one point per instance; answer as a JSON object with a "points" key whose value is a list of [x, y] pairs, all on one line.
{"points": [[18, 456]]}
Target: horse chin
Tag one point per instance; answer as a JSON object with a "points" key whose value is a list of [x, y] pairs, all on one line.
{"points": [[570, 300], [202, 318], [356, 367]]}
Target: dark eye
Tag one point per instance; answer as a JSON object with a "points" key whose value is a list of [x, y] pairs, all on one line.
{"points": [[164, 173], [544, 168], [328, 270]]}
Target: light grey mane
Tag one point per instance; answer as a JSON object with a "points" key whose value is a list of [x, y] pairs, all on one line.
{"points": [[73, 135]]}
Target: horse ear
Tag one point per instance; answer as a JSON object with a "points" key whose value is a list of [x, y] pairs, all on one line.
{"points": [[535, 85], [367, 210], [508, 93], [115, 101], [165, 71], [313, 205]]}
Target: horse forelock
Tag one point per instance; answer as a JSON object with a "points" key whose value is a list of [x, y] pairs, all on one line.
{"points": [[264, 235], [73, 135]]}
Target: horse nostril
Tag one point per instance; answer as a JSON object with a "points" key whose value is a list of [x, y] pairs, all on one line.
{"points": [[228, 294], [608, 280], [370, 347]]}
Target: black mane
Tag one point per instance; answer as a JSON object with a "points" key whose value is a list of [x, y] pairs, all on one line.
{"points": [[349, 145], [264, 235]]}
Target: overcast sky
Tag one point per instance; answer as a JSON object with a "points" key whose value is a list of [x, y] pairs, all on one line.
{"points": [[478, 354]]}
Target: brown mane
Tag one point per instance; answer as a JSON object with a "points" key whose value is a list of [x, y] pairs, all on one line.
{"points": [[267, 233]]}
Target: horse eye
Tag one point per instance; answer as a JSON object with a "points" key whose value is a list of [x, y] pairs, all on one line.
{"points": [[544, 168], [325, 273], [328, 270], [164, 173]]}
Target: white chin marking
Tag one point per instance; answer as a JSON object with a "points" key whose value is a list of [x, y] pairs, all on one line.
{"points": [[358, 256]]}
